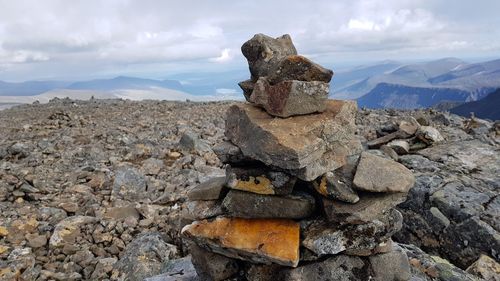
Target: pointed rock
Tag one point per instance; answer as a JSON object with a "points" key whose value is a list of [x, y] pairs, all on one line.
{"points": [[297, 67], [307, 146], [259, 179], [336, 186], [229, 153], [208, 190], [211, 266], [290, 97], [247, 87], [264, 53], [376, 174], [255, 240], [250, 205]]}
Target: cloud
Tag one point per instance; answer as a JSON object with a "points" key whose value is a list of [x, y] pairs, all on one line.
{"points": [[57, 37]]}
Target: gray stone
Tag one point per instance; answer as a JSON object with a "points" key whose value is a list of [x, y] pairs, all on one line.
{"points": [[191, 141], [401, 147], [429, 135], [391, 266], [377, 174], [264, 53], [389, 152], [329, 239], [229, 153], [339, 268], [208, 190], [198, 210], [440, 217], [129, 184], [212, 266], [250, 205], [247, 87], [307, 146], [290, 97], [371, 206], [259, 179], [145, 256], [67, 230], [297, 67], [177, 270], [102, 268]]}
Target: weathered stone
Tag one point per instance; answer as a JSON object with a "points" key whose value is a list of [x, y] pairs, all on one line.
{"points": [[250, 205], [36, 240], [230, 153], [401, 147], [371, 206], [308, 146], [129, 184], [389, 152], [408, 127], [198, 210], [121, 212], [259, 179], [264, 272], [297, 67], [208, 190], [68, 230], [391, 266], [145, 256], [383, 247], [256, 240], [429, 135], [486, 268], [336, 185], [264, 53], [290, 97], [329, 239], [211, 266], [339, 268], [191, 141], [102, 268], [377, 174], [177, 270], [247, 87]]}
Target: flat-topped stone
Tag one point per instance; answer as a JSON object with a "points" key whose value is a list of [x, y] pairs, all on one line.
{"points": [[297, 67], [298, 142], [290, 97], [256, 240]]}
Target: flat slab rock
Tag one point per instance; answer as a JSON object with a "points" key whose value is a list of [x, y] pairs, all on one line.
{"points": [[305, 146], [290, 97], [259, 179], [250, 205], [256, 240], [376, 174]]}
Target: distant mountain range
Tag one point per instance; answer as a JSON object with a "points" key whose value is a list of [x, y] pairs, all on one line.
{"points": [[486, 108], [394, 85]]}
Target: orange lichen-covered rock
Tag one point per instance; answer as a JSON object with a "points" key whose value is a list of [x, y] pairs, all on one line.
{"points": [[256, 240]]}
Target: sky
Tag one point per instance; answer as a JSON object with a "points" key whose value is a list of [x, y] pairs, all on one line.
{"points": [[75, 40]]}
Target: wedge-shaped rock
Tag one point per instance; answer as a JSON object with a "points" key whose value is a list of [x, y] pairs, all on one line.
{"points": [[297, 67], [335, 185], [247, 87], [264, 53], [257, 240], [208, 190], [377, 174], [230, 153], [199, 210], [290, 97], [259, 179], [307, 146], [371, 206], [325, 238], [250, 205]]}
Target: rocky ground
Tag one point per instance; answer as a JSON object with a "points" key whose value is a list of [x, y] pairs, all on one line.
{"points": [[95, 190]]}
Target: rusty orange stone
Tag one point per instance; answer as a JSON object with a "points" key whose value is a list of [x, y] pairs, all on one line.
{"points": [[257, 240]]}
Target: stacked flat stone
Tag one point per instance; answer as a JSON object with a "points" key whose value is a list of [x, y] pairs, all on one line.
{"points": [[301, 200]]}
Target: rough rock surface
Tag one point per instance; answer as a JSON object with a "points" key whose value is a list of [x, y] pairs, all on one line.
{"points": [[296, 67], [259, 179], [256, 240], [308, 146]]}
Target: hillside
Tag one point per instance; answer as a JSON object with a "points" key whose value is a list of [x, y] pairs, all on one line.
{"points": [[486, 108]]}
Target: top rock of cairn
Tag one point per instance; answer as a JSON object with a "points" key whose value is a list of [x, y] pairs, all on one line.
{"points": [[283, 83]]}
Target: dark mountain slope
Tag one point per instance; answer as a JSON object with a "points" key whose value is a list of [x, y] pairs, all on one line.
{"points": [[486, 108]]}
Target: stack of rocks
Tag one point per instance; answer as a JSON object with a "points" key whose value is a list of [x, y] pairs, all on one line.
{"points": [[300, 199]]}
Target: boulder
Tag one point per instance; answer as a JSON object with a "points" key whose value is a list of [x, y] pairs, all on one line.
{"points": [[255, 240], [250, 205], [264, 53], [371, 206], [306, 146], [486, 268], [429, 135], [401, 147], [390, 266], [376, 174], [259, 179], [297, 67], [290, 97]]}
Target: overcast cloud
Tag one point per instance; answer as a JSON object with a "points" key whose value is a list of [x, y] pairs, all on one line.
{"points": [[78, 39]]}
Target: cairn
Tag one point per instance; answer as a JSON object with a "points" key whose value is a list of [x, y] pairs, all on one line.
{"points": [[301, 200]]}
